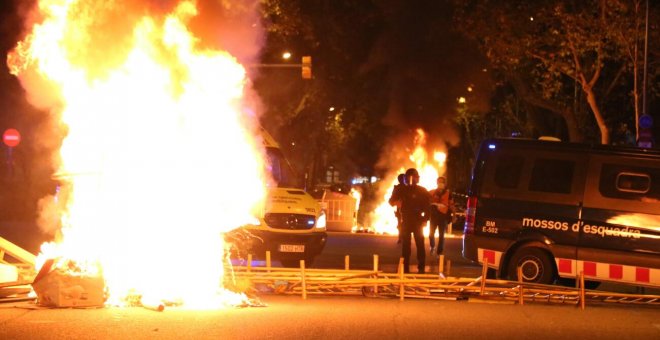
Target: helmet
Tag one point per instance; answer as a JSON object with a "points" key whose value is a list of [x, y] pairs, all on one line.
{"points": [[412, 172], [412, 176], [401, 178]]}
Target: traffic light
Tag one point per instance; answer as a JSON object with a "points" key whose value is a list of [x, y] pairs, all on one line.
{"points": [[307, 67]]}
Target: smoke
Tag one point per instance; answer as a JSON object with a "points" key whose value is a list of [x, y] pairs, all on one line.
{"points": [[233, 26], [400, 149]]}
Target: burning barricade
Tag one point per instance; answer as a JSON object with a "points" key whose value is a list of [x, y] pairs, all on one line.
{"points": [[62, 283], [146, 117]]}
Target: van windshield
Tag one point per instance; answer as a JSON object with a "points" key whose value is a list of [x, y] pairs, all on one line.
{"points": [[280, 169]]}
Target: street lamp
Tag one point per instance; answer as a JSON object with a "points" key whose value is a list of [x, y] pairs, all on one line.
{"points": [[286, 55]]}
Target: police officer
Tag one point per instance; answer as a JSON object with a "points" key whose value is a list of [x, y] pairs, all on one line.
{"points": [[415, 204]]}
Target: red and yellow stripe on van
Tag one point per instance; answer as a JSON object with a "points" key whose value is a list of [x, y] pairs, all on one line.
{"points": [[609, 272], [592, 270]]}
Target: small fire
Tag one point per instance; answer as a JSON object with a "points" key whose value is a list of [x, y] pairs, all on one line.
{"points": [[383, 220], [158, 159], [357, 196]]}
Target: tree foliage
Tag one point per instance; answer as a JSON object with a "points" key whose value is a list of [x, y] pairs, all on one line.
{"points": [[387, 66], [319, 120], [556, 53]]}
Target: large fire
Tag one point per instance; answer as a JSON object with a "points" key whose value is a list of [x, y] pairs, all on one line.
{"points": [[158, 159], [429, 166]]}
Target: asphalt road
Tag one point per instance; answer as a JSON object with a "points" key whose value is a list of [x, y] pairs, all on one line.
{"points": [[362, 247], [290, 317]]}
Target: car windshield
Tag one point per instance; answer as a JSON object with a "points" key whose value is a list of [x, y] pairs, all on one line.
{"points": [[280, 169]]}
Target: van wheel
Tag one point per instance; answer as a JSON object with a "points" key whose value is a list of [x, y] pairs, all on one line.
{"points": [[535, 263]]}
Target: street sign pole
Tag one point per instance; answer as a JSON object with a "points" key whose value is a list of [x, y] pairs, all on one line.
{"points": [[645, 122], [11, 138], [10, 163], [645, 139]]}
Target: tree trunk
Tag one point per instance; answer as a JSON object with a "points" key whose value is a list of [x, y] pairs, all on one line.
{"points": [[604, 130], [532, 98], [636, 98], [574, 134]]}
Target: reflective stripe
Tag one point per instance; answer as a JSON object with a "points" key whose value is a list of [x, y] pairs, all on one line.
{"points": [[608, 271], [492, 257], [565, 266]]}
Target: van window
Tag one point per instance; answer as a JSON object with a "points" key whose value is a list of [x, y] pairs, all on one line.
{"points": [[280, 170], [508, 170], [552, 175], [631, 183]]}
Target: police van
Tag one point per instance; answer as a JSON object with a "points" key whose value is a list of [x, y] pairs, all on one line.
{"points": [[556, 209], [292, 226]]}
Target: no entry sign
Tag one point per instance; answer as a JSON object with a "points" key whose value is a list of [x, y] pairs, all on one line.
{"points": [[11, 137]]}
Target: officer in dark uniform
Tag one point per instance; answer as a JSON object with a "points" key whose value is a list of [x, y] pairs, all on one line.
{"points": [[415, 203]]}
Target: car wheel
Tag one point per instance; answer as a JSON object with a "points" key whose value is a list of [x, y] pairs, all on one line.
{"points": [[536, 266]]}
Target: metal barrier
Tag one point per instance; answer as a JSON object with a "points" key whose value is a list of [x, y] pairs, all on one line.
{"points": [[24, 262], [305, 282]]}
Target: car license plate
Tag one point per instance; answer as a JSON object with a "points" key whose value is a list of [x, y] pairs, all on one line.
{"points": [[292, 248]]}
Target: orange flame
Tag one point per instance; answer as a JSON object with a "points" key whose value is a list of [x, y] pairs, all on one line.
{"points": [[383, 220], [357, 196], [158, 160]]}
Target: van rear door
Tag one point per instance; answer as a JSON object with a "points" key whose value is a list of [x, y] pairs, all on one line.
{"points": [[620, 225]]}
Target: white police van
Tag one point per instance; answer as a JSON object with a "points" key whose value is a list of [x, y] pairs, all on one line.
{"points": [[292, 227]]}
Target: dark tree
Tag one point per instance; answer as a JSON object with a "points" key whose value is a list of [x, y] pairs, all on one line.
{"points": [[556, 53]]}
